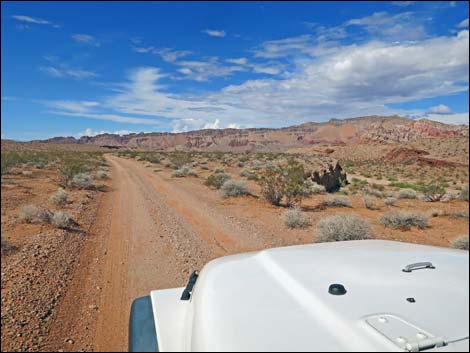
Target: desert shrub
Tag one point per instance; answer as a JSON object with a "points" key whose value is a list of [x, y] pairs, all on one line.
{"points": [[407, 194], [434, 192], [234, 188], [257, 165], [180, 158], [459, 215], [216, 180], [285, 181], [374, 192], [313, 188], [101, 174], [60, 198], [34, 214], [337, 201], [250, 175], [152, 158], [219, 170], [61, 219], [343, 227], [295, 218], [403, 220], [460, 243], [82, 181], [464, 194], [69, 170], [7, 247], [370, 203], [183, 172], [390, 201]]}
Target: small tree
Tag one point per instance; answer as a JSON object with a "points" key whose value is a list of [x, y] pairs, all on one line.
{"points": [[286, 181]]}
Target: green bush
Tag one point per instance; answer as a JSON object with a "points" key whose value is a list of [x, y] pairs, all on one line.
{"points": [[179, 159], [216, 180], [285, 181]]}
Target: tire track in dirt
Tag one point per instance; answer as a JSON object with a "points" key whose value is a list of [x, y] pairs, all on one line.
{"points": [[157, 236]]}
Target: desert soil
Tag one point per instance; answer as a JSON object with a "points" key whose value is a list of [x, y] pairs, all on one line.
{"points": [[151, 231]]}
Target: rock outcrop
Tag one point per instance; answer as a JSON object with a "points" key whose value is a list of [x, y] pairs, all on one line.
{"points": [[331, 179]]}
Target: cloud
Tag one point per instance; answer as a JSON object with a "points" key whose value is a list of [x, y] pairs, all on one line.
{"points": [[167, 54], [402, 26], [463, 24], [237, 61], [32, 20], [85, 39], [77, 74], [204, 70], [191, 124], [270, 68], [38, 21], [457, 118], [325, 79], [91, 133], [71, 106], [214, 33], [403, 3], [439, 109], [171, 55]]}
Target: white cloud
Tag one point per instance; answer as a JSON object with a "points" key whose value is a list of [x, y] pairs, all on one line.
{"points": [[77, 74], [402, 26], [91, 133], [463, 24], [403, 3], [71, 106], [457, 118], [325, 80], [32, 20], [171, 55], [38, 21], [270, 68], [439, 109], [167, 54], [86, 39], [237, 61], [214, 33], [204, 70]]}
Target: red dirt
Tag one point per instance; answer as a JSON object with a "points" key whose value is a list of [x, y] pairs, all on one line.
{"points": [[151, 231]]}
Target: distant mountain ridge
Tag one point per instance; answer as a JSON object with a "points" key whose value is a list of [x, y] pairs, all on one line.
{"points": [[362, 130]]}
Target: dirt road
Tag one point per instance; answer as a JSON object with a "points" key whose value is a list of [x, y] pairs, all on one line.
{"points": [[150, 233]]}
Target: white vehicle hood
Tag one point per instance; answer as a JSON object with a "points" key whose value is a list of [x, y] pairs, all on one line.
{"points": [[278, 300]]}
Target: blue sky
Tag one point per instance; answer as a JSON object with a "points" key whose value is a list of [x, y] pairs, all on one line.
{"points": [[76, 68]]}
